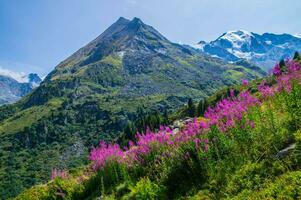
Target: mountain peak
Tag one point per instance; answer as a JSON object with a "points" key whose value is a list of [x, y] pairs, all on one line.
{"points": [[128, 24], [125, 20], [122, 20], [137, 20], [135, 24], [34, 79], [237, 36], [239, 32], [122, 36], [124, 27]]}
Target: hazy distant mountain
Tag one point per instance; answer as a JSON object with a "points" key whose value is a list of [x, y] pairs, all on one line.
{"points": [[264, 50], [33, 79], [13, 87], [95, 92]]}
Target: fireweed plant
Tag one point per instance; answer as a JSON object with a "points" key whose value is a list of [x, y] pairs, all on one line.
{"points": [[206, 152], [58, 173]]}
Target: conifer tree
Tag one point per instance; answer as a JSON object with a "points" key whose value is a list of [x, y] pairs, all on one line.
{"points": [[191, 108], [129, 131], [200, 108], [282, 65], [296, 55], [165, 118], [206, 105]]}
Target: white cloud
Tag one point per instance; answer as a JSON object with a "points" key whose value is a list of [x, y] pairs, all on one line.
{"points": [[18, 76]]}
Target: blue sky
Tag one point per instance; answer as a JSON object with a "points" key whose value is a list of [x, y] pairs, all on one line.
{"points": [[35, 35]]}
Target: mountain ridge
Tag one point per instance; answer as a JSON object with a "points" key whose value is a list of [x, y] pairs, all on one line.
{"points": [[263, 49]]}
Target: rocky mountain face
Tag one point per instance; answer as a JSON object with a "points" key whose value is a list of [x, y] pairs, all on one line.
{"points": [[33, 79], [264, 50], [12, 90], [94, 93], [133, 59]]}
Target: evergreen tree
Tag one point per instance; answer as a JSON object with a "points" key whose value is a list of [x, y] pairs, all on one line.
{"points": [[228, 92], [140, 112], [219, 97], [165, 118], [129, 131], [296, 55], [282, 65], [191, 108], [206, 105], [200, 108]]}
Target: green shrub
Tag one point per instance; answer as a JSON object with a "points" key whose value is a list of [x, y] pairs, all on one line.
{"points": [[183, 171], [122, 189], [61, 189], [57, 189], [287, 186], [35, 193], [252, 176], [297, 151], [201, 195], [110, 197], [144, 189]]}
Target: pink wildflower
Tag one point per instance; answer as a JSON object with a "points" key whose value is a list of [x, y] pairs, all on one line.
{"points": [[245, 82], [104, 152], [265, 90], [202, 125], [58, 173], [277, 70]]}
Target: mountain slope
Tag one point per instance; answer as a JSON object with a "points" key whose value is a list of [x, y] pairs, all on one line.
{"points": [[245, 146], [264, 50], [94, 93]]}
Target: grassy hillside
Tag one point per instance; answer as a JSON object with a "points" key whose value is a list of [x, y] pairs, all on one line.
{"points": [[247, 146]]}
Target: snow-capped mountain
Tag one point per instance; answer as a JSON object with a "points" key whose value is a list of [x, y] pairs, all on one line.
{"points": [[14, 85], [21, 77], [263, 50]]}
